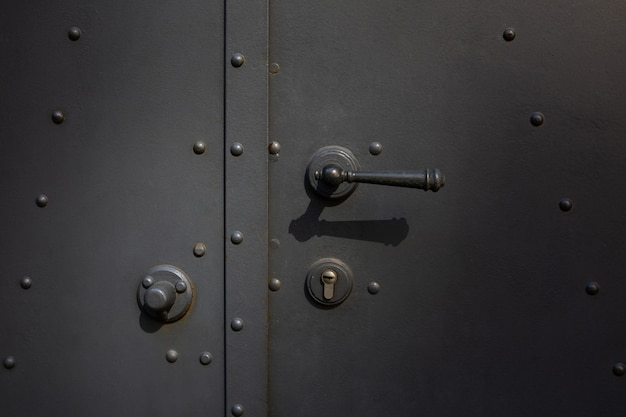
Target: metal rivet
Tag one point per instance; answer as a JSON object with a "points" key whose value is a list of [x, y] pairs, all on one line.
{"points": [[9, 362], [26, 283], [619, 369], [237, 410], [171, 356], [236, 237], [236, 149], [237, 324], [275, 243], [199, 147], [274, 68], [536, 119], [274, 148], [74, 33], [58, 117], [206, 358], [592, 288], [237, 60], [181, 287], [199, 249], [147, 282], [42, 200], [275, 284], [566, 204], [373, 287], [376, 148], [509, 34]]}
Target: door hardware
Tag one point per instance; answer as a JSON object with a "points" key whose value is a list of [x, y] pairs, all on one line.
{"points": [[165, 293], [329, 282], [333, 172], [329, 278]]}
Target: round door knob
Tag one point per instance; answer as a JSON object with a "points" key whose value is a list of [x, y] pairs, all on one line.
{"points": [[165, 293], [160, 297]]}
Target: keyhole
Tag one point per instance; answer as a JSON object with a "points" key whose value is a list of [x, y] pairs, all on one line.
{"points": [[329, 278]]}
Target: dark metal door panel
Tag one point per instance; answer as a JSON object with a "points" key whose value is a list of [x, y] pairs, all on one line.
{"points": [[484, 306], [139, 86]]}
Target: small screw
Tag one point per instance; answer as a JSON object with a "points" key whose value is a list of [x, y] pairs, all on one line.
{"points": [[536, 119], [274, 68], [199, 147], [237, 324], [274, 148], [199, 249], [58, 117], [509, 34], [171, 356], [375, 148], [566, 204], [592, 288], [147, 282], [9, 362], [42, 200], [74, 33], [237, 60], [373, 287], [206, 358], [181, 287], [236, 237], [275, 284], [236, 149], [26, 282]]}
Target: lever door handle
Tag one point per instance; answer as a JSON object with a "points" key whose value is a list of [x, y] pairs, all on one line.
{"points": [[333, 172], [426, 179]]}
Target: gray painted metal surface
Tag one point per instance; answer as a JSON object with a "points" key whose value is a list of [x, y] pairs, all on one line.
{"points": [[481, 306], [137, 134]]}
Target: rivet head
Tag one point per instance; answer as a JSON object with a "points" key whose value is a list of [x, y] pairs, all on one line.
{"points": [[274, 148], [171, 356], [237, 324], [237, 60], [274, 68], [275, 284], [375, 148], [199, 147], [237, 410], [536, 119], [373, 287], [58, 117], [275, 243], [26, 282], [181, 287], [236, 149], [74, 33], [147, 282], [236, 237], [9, 362], [41, 200], [592, 288], [206, 358], [619, 369], [566, 204], [199, 249], [509, 34]]}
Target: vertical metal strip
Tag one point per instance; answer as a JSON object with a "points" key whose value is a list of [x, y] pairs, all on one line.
{"points": [[246, 127]]}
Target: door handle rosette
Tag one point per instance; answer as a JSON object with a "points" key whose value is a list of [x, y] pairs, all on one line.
{"points": [[334, 172]]}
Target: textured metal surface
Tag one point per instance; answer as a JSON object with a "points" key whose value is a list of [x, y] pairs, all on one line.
{"points": [[104, 128], [482, 307]]}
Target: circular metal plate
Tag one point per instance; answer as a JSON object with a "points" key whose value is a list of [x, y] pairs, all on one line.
{"points": [[342, 287], [173, 275], [337, 155]]}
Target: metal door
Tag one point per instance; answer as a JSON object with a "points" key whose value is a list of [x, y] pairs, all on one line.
{"points": [[501, 293], [112, 166]]}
